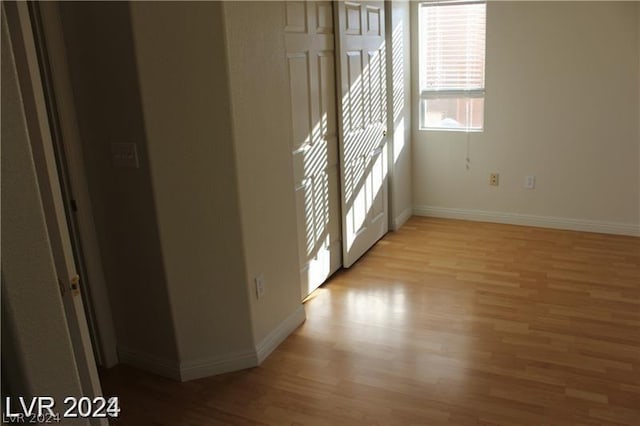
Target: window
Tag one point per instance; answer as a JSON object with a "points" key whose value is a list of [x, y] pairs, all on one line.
{"points": [[451, 61]]}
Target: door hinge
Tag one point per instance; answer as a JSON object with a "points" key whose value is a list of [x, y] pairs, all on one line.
{"points": [[74, 286]]}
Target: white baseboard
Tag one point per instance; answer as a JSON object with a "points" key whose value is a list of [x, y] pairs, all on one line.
{"points": [[191, 370], [529, 220], [200, 368], [150, 363], [281, 332], [402, 218], [196, 369]]}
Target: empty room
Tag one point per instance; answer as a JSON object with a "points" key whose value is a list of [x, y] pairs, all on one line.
{"points": [[320, 212]]}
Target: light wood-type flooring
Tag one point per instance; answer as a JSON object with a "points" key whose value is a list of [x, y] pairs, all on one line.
{"points": [[442, 322]]}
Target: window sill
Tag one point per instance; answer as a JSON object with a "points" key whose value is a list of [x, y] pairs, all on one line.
{"points": [[445, 129]]}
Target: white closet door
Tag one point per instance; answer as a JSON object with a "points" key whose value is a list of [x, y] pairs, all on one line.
{"points": [[309, 39], [362, 122]]}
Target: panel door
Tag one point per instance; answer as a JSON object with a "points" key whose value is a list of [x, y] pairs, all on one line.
{"points": [[309, 39], [362, 122]]}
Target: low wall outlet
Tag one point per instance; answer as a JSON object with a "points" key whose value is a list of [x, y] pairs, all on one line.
{"points": [[259, 286], [530, 182], [494, 179]]}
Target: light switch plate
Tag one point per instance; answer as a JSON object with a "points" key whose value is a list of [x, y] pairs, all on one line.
{"points": [[259, 286], [124, 155], [529, 182]]}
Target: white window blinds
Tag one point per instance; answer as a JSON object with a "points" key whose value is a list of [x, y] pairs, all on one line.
{"points": [[452, 43]]}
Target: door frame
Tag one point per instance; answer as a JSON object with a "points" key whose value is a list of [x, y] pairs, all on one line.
{"points": [[391, 164]]}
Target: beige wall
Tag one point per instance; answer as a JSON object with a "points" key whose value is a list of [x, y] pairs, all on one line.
{"points": [[260, 107], [183, 78], [401, 183], [33, 363], [106, 93], [561, 104]]}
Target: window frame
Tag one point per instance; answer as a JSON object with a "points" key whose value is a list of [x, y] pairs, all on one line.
{"points": [[468, 94]]}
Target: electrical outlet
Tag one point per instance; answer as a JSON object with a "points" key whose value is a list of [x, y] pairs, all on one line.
{"points": [[494, 179], [259, 286], [530, 182]]}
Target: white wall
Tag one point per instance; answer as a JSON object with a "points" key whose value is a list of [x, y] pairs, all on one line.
{"points": [[185, 102], [561, 104], [261, 122], [399, 38], [33, 363]]}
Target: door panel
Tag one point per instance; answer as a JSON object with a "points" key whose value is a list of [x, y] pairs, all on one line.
{"points": [[300, 105], [309, 43], [374, 21], [324, 15], [354, 100], [353, 18], [362, 124]]}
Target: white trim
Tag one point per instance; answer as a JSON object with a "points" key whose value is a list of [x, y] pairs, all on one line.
{"points": [[429, 3], [206, 367], [402, 218], [529, 220], [278, 334], [150, 363]]}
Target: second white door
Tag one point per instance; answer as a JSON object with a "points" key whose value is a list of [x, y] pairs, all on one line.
{"points": [[309, 39], [362, 102]]}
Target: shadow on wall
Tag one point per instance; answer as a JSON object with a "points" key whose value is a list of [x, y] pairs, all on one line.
{"points": [[104, 75]]}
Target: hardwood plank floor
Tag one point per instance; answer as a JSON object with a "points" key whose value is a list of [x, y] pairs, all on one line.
{"points": [[442, 322]]}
